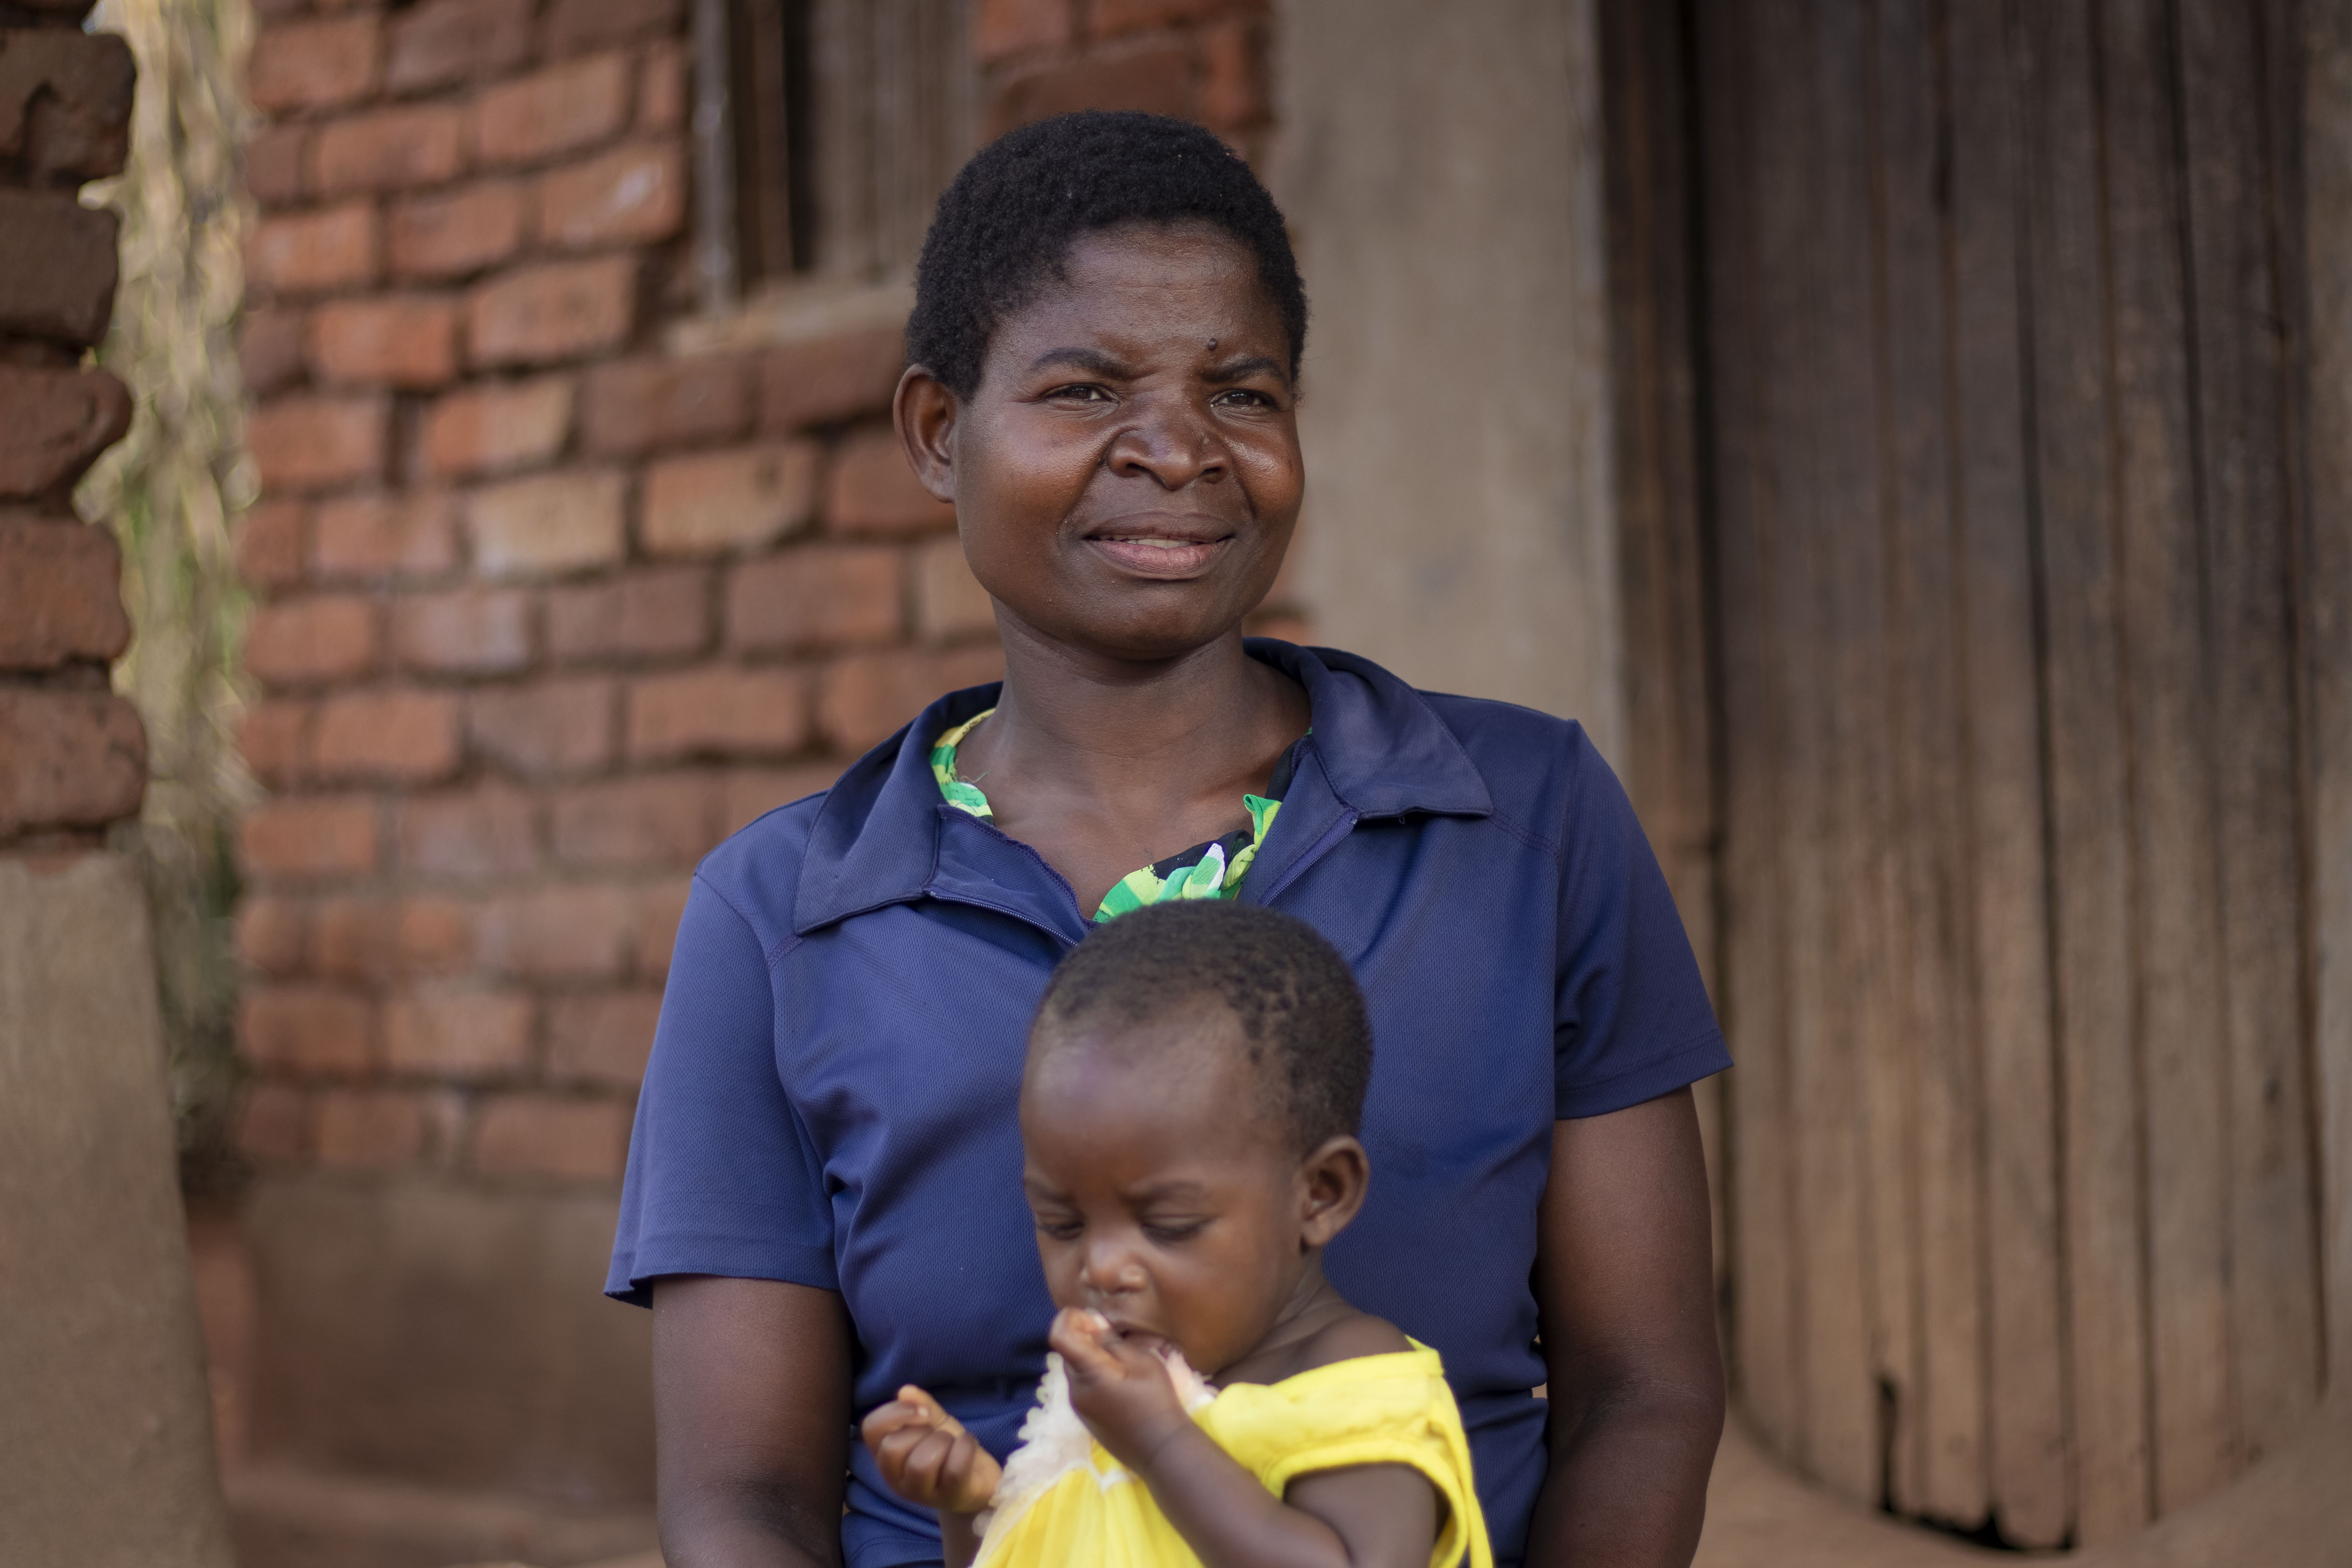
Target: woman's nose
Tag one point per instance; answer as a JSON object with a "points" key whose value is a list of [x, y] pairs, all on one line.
{"points": [[1170, 443]]}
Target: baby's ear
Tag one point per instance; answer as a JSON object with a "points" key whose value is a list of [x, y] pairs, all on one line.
{"points": [[1333, 1179]]}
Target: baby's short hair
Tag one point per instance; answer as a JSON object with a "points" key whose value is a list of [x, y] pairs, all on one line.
{"points": [[1006, 223], [1289, 990]]}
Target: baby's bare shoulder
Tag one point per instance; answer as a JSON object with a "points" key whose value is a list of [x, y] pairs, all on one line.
{"points": [[1356, 1334]]}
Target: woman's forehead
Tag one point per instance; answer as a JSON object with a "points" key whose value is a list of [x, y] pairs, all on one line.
{"points": [[1145, 285]]}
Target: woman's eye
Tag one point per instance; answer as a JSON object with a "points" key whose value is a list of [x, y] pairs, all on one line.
{"points": [[1241, 397], [1079, 394]]}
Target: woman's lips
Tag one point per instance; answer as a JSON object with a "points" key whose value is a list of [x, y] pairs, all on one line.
{"points": [[1152, 555]]}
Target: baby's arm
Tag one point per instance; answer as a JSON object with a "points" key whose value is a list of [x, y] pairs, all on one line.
{"points": [[930, 1460], [1370, 1516]]}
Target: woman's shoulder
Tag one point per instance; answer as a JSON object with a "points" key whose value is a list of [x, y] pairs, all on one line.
{"points": [[755, 870]]}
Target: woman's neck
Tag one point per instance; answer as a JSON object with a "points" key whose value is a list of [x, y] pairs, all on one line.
{"points": [[1109, 729]]}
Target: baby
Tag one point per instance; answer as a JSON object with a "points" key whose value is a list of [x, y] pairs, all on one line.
{"points": [[1195, 1080]]}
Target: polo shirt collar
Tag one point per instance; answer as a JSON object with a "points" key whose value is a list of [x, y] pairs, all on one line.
{"points": [[1382, 751]]}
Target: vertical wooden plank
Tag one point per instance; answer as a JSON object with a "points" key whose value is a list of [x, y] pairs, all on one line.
{"points": [[1939, 1469], [1669, 771], [1850, 1173], [2327, 609], [2006, 923], [2182, 1038], [2229, 71], [1767, 1303], [2085, 743]]}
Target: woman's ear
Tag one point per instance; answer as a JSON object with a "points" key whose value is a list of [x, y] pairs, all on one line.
{"points": [[925, 412], [1333, 1179]]}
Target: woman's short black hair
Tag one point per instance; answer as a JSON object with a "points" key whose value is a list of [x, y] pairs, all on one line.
{"points": [[1291, 992], [1007, 223]]}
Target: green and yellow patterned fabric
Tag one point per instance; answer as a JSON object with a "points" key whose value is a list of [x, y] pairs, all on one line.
{"points": [[1211, 870]]}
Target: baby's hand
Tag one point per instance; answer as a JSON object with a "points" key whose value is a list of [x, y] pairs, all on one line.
{"points": [[927, 1456], [1121, 1389]]}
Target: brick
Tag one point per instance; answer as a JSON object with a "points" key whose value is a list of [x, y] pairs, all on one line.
{"points": [[557, 311], [370, 1129], [1155, 77], [313, 65], [273, 1122], [409, 342], [69, 758], [460, 1035], [1111, 18], [65, 104], [272, 934], [1002, 28], [58, 260], [556, 933], [638, 407], [661, 87], [312, 837], [272, 348], [753, 792], [630, 195], [469, 836], [350, 939], [274, 737], [663, 613], [269, 543], [55, 423], [817, 596], [575, 25], [392, 737], [444, 41], [311, 641], [872, 490], [546, 729], [498, 427], [278, 164], [845, 375], [60, 593], [862, 699], [539, 1135], [741, 498], [950, 602], [654, 822], [1233, 83], [299, 253], [558, 110], [306, 1031], [548, 525], [717, 712], [390, 150], [470, 631], [455, 233], [601, 1039], [655, 932], [433, 936], [375, 537], [308, 443]]}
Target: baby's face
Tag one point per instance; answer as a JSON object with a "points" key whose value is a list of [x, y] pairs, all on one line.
{"points": [[1166, 1196]]}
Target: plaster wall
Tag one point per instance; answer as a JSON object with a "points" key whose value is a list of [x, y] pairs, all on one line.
{"points": [[1442, 172]]}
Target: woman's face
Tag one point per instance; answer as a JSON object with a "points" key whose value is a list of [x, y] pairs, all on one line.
{"points": [[1126, 474]]}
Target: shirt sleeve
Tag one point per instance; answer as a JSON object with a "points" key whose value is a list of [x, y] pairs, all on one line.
{"points": [[1631, 1020], [721, 1179]]}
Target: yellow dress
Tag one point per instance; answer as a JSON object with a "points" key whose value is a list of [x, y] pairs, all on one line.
{"points": [[1063, 1500]]}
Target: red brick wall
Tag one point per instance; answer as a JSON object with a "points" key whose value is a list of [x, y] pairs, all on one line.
{"points": [[547, 610], [73, 756]]}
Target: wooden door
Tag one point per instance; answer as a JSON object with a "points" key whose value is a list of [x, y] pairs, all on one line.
{"points": [[1982, 315]]}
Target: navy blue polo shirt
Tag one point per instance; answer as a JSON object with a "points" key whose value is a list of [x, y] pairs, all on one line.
{"points": [[831, 1098]]}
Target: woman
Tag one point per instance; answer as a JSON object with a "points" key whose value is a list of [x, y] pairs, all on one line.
{"points": [[824, 1197]]}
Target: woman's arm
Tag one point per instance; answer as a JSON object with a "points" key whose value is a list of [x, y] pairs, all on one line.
{"points": [[1625, 1272], [750, 1422]]}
